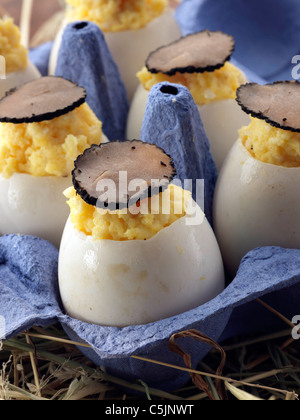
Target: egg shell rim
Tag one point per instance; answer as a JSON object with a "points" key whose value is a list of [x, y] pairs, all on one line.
{"points": [[239, 141], [187, 215]]}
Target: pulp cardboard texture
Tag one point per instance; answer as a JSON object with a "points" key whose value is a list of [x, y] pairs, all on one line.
{"points": [[85, 59], [30, 296]]}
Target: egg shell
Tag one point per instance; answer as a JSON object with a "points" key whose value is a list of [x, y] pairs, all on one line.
{"points": [[18, 78], [221, 119], [114, 283], [256, 204], [136, 113], [35, 206], [131, 48], [172, 122], [85, 59]]}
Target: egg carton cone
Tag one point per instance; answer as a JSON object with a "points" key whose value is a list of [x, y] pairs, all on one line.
{"points": [[172, 122], [261, 46], [30, 297], [85, 59]]}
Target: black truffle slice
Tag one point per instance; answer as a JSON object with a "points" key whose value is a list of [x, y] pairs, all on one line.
{"points": [[117, 175], [277, 103], [201, 52], [43, 99]]}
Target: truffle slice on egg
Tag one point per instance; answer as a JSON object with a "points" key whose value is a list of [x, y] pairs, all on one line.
{"points": [[276, 103], [43, 99], [126, 167], [201, 52], [35, 170]]}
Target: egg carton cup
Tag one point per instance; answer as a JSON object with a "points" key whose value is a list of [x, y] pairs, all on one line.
{"points": [[30, 297], [28, 265]]}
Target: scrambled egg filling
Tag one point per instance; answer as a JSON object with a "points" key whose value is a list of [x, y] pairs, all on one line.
{"points": [[270, 144], [155, 214], [48, 148], [116, 15], [10, 46], [204, 87]]}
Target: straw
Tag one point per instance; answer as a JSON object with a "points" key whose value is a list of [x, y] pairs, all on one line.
{"points": [[25, 20], [44, 364]]}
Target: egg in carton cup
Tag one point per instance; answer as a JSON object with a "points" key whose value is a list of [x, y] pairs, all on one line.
{"points": [[131, 30], [148, 253]]}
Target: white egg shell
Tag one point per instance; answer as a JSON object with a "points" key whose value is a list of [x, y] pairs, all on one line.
{"points": [[256, 204], [114, 283], [34, 206], [18, 78], [130, 49], [136, 113], [221, 120]]}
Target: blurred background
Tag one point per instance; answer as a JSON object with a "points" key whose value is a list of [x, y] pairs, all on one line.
{"points": [[44, 12]]}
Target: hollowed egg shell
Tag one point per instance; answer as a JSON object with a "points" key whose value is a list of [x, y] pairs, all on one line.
{"points": [[116, 283]]}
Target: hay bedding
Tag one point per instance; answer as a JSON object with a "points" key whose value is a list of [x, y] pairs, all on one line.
{"points": [[44, 365]]}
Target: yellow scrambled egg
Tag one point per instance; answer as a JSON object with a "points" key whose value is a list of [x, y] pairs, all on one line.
{"points": [[204, 87], [270, 144], [122, 225], [48, 148], [116, 15], [10, 46]]}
